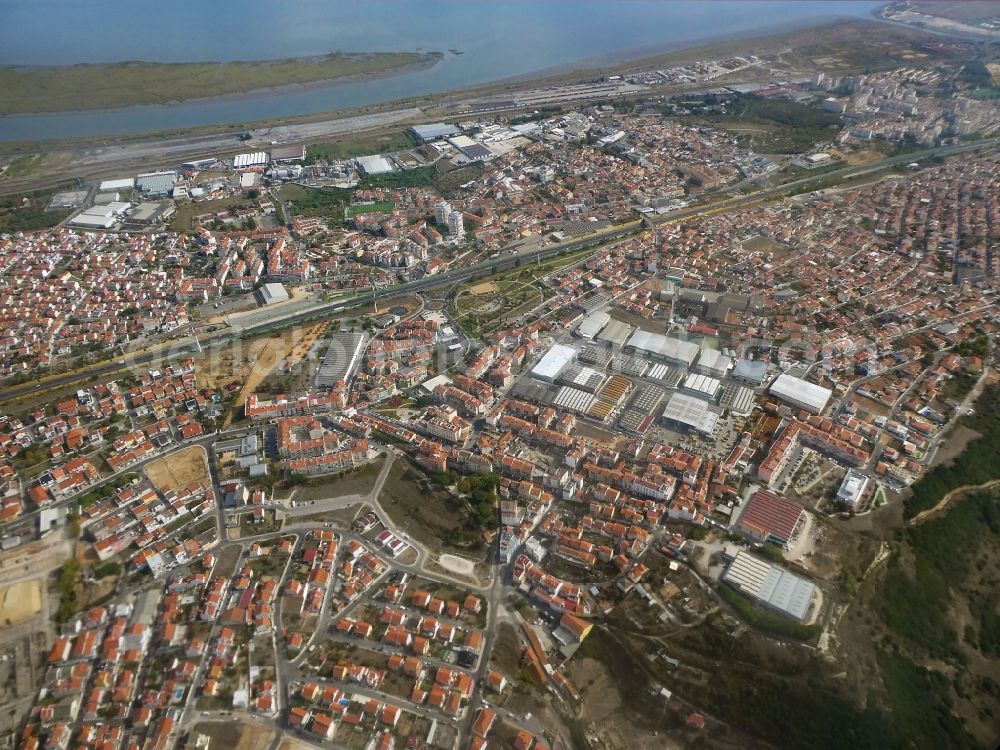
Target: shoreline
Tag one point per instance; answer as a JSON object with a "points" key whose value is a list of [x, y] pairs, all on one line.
{"points": [[433, 59], [627, 56], [681, 53], [614, 60]]}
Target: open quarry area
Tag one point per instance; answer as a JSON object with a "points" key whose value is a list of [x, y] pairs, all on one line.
{"points": [[646, 407]]}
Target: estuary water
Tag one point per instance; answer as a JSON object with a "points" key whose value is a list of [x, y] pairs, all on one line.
{"points": [[498, 40]]}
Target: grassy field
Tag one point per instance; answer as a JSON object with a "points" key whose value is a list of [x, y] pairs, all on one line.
{"points": [[978, 463], [81, 87], [26, 213], [382, 207], [358, 482], [358, 145], [432, 516]]}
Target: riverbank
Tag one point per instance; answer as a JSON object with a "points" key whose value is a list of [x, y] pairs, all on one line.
{"points": [[81, 88]]}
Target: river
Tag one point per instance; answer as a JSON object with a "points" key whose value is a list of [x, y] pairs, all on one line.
{"points": [[498, 40]]}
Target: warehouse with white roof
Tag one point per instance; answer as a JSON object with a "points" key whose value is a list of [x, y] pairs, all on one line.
{"points": [[556, 359], [593, 324], [714, 363], [114, 185], [702, 385], [800, 393], [255, 159], [373, 164], [667, 348], [688, 413], [771, 586]]}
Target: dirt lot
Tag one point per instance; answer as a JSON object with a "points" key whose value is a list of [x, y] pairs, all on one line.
{"points": [[252, 361], [20, 602], [179, 470], [237, 736], [265, 355], [484, 288]]}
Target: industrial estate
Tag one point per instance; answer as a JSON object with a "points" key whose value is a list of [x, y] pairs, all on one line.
{"points": [[659, 410]]}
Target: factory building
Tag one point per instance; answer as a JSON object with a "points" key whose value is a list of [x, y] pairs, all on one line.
{"points": [[770, 518], [753, 372], [470, 149], [703, 386], [156, 184], [247, 161], [672, 351], [615, 333], [152, 213], [100, 216], [556, 359], [585, 378], [592, 324], [713, 363], [770, 586], [434, 131], [373, 164], [272, 294], [800, 393], [341, 359], [687, 413], [284, 154], [107, 186]]}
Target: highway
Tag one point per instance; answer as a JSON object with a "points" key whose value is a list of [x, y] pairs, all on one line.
{"points": [[504, 262]]}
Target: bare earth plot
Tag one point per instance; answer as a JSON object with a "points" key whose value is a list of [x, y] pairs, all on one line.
{"points": [[179, 470], [20, 602], [256, 358]]}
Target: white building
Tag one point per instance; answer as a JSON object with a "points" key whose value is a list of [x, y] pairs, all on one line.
{"points": [[456, 224], [801, 393], [441, 212], [852, 489], [770, 585], [556, 359]]}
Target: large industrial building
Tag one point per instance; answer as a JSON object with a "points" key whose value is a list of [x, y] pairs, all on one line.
{"points": [[770, 518], [126, 183], [800, 393], [771, 586], [100, 217], [703, 386], [272, 294], [246, 161], [556, 359], [671, 350], [156, 184], [341, 360], [373, 164], [615, 333], [713, 363], [433, 131], [470, 149], [688, 413], [593, 324], [751, 371]]}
